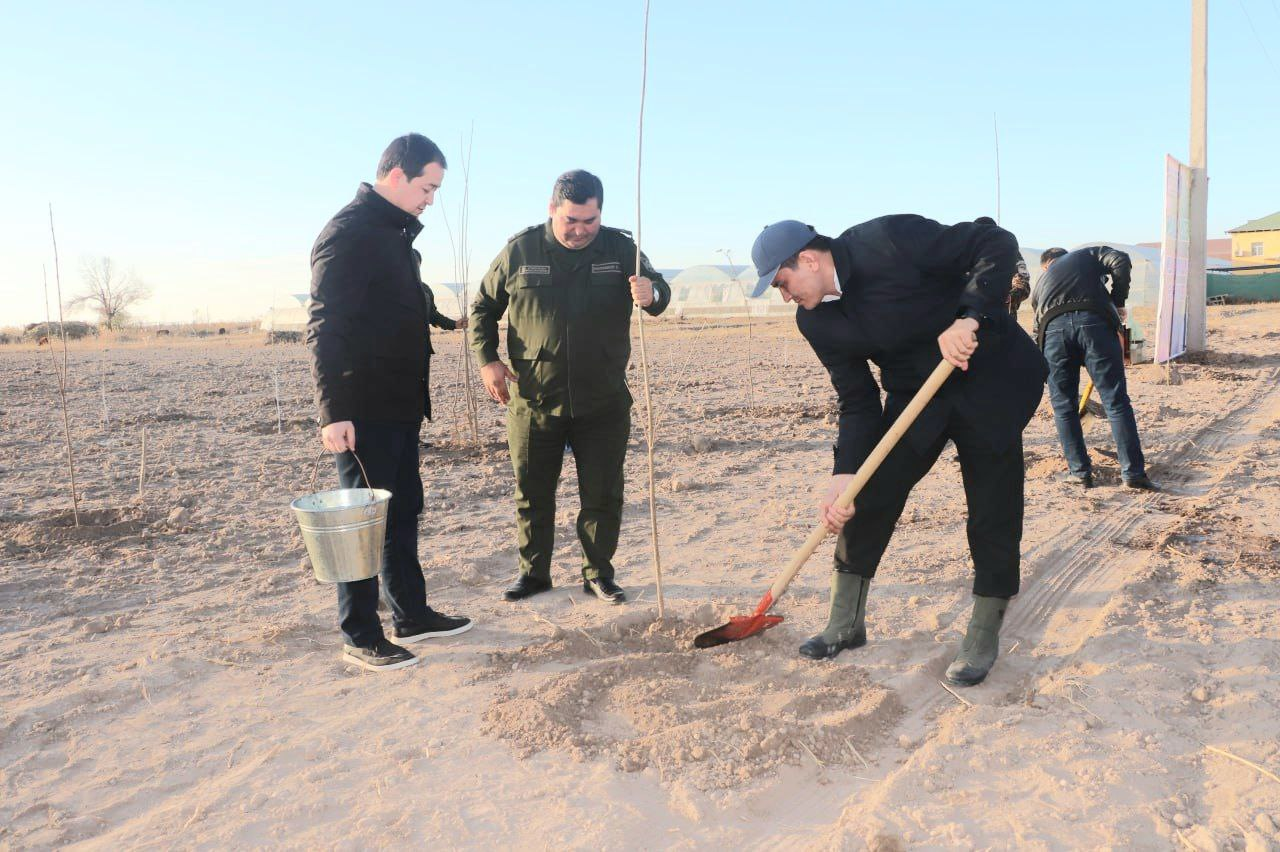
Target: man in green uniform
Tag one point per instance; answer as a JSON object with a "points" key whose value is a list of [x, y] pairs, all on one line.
{"points": [[567, 290]]}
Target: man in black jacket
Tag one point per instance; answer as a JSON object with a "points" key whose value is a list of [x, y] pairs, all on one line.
{"points": [[1020, 286], [1077, 323], [368, 339], [903, 292]]}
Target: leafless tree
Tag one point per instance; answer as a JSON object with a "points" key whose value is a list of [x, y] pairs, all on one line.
{"points": [[109, 291]]}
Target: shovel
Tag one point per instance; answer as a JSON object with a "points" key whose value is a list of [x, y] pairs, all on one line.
{"points": [[742, 626], [1088, 405]]}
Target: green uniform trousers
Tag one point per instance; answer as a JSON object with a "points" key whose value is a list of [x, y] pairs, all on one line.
{"points": [[537, 443]]}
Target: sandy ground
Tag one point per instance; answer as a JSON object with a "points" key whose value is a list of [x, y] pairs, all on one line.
{"points": [[170, 673]]}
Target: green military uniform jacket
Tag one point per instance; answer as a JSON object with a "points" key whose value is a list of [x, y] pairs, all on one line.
{"points": [[568, 318]]}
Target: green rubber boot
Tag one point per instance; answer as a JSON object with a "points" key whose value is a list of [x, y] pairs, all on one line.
{"points": [[981, 643], [846, 628]]}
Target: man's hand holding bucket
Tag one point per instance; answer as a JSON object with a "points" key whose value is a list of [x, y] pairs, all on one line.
{"points": [[339, 437]]}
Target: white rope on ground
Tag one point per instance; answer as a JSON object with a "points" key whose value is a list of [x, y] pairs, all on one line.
{"points": [[644, 355]]}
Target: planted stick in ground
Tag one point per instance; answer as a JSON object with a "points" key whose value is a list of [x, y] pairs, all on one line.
{"points": [[275, 372], [142, 466], [62, 373], [102, 374], [644, 355]]}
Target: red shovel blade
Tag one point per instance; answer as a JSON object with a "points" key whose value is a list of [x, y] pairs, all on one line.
{"points": [[739, 627]]}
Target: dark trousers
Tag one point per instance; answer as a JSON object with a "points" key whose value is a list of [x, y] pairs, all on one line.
{"points": [[390, 455], [599, 442], [993, 491], [1085, 339]]}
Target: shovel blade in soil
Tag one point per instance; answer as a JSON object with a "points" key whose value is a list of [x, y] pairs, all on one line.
{"points": [[739, 627]]}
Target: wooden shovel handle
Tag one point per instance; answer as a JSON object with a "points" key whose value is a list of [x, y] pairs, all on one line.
{"points": [[869, 467]]}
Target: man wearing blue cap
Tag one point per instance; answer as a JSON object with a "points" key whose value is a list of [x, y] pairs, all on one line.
{"points": [[903, 291]]}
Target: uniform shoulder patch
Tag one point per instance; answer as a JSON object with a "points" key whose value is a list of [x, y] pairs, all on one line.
{"points": [[518, 234], [622, 231]]}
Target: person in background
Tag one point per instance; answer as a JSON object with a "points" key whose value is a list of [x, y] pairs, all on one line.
{"points": [[1077, 323], [1020, 287]]}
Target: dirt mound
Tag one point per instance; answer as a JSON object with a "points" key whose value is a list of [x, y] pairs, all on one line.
{"points": [[160, 415], [54, 528], [639, 695]]}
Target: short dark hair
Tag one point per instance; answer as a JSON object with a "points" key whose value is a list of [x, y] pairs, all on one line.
{"points": [[984, 220], [577, 187], [411, 153], [818, 243], [1051, 254]]}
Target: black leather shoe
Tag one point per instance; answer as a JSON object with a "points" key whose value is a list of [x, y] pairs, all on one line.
{"points": [[1142, 483], [606, 590], [1085, 481], [526, 586], [818, 649]]}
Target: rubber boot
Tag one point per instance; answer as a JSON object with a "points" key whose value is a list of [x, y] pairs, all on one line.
{"points": [[981, 643], [846, 627]]}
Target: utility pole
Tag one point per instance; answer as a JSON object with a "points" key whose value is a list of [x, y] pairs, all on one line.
{"points": [[1199, 178]]}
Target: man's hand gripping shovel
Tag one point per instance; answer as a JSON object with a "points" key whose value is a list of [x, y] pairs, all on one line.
{"points": [[742, 626]]}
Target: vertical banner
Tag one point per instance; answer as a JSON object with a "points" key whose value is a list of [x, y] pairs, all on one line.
{"points": [[1175, 251]]}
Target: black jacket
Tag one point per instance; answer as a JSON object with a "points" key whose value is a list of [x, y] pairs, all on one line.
{"points": [[1074, 282], [368, 326], [904, 281]]}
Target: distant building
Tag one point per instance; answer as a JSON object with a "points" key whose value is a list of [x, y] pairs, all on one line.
{"points": [[1217, 252], [1256, 242]]}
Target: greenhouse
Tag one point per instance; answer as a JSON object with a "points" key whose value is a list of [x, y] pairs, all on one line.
{"points": [[721, 290]]}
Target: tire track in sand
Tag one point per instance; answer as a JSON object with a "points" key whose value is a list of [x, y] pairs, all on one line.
{"points": [[1071, 568]]}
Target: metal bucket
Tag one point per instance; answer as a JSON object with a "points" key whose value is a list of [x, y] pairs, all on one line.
{"points": [[343, 530]]}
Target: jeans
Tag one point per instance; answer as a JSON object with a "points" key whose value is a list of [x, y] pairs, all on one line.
{"points": [[1085, 339], [389, 452]]}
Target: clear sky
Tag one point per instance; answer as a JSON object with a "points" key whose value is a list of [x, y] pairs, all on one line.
{"points": [[203, 145]]}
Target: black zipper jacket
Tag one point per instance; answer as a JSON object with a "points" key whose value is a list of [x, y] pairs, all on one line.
{"points": [[1074, 282], [904, 281], [367, 330]]}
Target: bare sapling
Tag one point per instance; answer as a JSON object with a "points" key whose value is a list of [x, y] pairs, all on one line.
{"points": [[62, 372], [102, 376], [644, 354], [275, 373], [465, 425], [461, 273], [142, 467], [275, 368], [106, 414]]}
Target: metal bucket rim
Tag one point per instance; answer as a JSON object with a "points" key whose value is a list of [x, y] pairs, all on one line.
{"points": [[340, 528], [379, 495]]}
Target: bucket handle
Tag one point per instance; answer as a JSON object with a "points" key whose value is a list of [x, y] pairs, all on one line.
{"points": [[315, 471]]}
